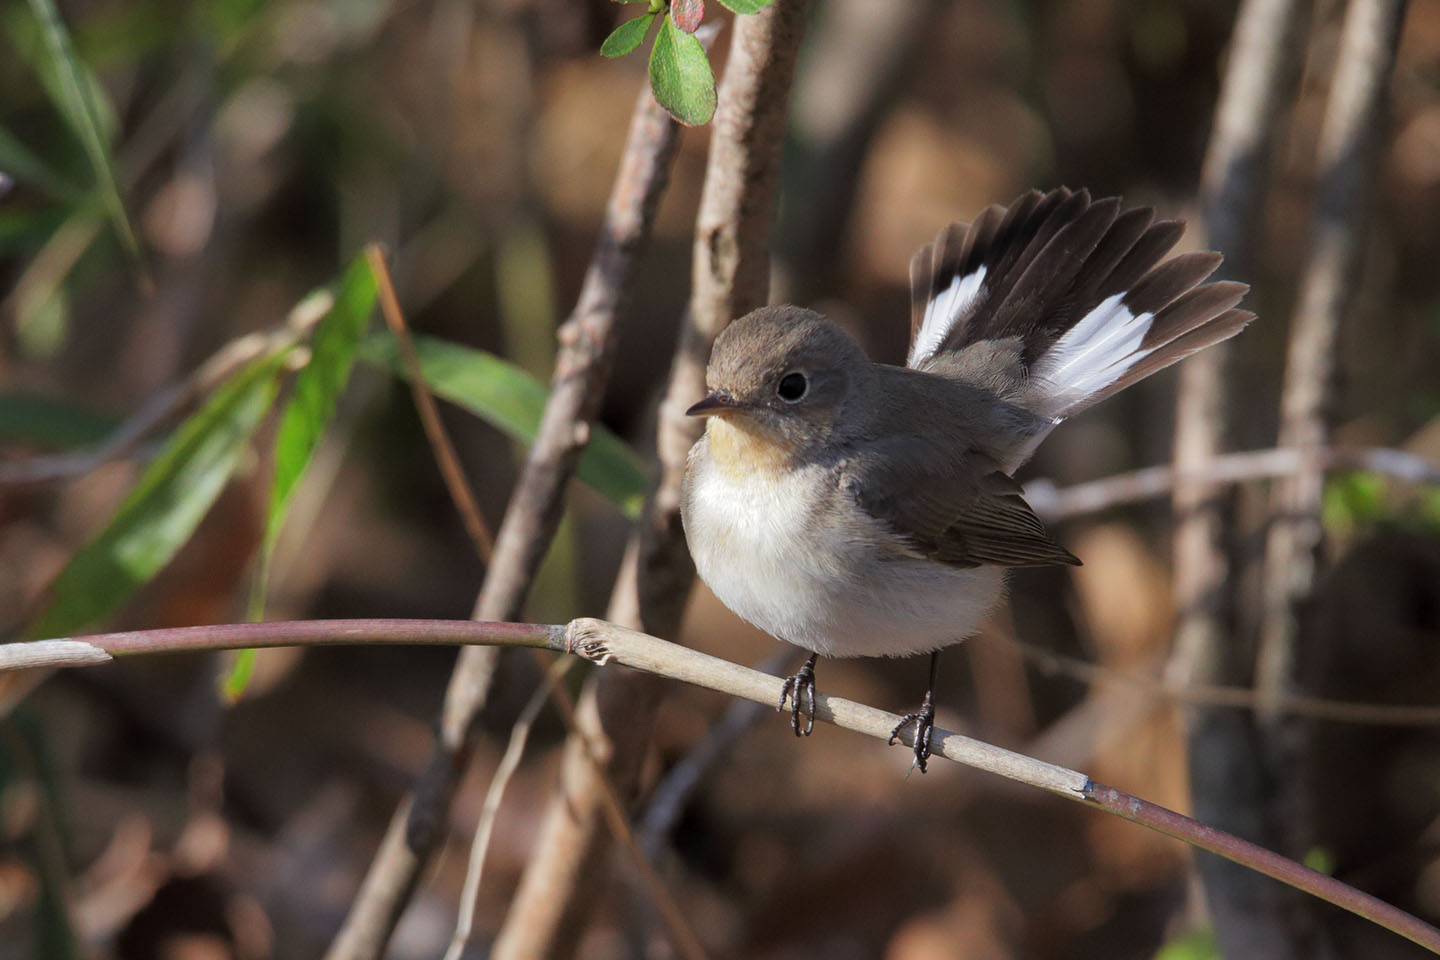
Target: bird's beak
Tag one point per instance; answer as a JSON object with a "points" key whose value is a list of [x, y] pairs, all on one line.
{"points": [[716, 404]]}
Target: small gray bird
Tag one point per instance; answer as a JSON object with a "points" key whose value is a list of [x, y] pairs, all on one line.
{"points": [[858, 509]]}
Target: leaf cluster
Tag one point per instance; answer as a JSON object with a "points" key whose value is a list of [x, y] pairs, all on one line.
{"points": [[680, 74]]}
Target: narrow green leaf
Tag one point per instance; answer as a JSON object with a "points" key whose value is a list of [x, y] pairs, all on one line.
{"points": [[237, 678], [165, 506], [745, 6], [510, 399], [680, 75], [79, 104], [627, 36], [319, 385], [308, 412], [50, 424]]}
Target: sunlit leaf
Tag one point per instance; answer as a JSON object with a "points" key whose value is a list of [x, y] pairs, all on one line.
{"points": [[50, 424], [627, 36], [680, 75], [79, 103], [165, 506], [317, 387], [308, 412], [745, 6], [510, 399]]}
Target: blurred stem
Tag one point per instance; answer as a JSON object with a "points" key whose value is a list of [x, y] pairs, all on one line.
{"points": [[1226, 779], [1349, 151]]}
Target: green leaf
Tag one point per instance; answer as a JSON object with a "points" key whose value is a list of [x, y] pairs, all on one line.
{"points": [[1196, 945], [50, 424], [1352, 500], [745, 6], [319, 385], [627, 36], [680, 75], [308, 412], [1321, 860], [165, 506], [79, 101], [237, 678], [510, 399]]}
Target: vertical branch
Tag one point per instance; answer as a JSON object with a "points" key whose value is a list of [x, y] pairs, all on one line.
{"points": [[1349, 148], [1225, 771], [1350, 139], [586, 342], [731, 277]]}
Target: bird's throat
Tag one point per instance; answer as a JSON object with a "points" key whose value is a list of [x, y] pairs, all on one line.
{"points": [[739, 450]]}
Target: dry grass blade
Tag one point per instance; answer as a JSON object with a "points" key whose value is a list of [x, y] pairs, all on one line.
{"points": [[456, 483]]}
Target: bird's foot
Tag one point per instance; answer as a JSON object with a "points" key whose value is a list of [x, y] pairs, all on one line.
{"points": [[924, 721], [800, 689]]}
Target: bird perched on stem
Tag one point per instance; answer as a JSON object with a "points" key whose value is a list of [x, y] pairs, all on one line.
{"points": [[858, 509]]}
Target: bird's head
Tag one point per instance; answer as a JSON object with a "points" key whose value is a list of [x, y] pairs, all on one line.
{"points": [[786, 378]]}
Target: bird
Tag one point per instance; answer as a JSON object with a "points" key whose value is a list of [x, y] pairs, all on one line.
{"points": [[862, 509]]}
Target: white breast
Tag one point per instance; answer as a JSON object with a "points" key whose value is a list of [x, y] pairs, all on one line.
{"points": [[787, 553]]}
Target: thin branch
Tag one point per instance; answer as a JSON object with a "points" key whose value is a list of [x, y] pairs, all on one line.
{"points": [[1216, 695], [604, 643], [731, 265], [1064, 503], [586, 341], [490, 809], [1224, 771], [456, 483], [1349, 150]]}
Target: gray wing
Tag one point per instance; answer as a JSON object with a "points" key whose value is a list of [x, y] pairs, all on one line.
{"points": [[959, 510]]}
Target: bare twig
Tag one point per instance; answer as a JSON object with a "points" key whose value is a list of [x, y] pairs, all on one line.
{"points": [[1063, 503], [586, 340], [731, 277], [445, 457], [490, 809], [1224, 770], [1214, 695], [1350, 144], [604, 643], [1349, 148]]}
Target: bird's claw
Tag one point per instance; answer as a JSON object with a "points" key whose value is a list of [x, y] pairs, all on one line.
{"points": [[800, 689], [924, 722]]}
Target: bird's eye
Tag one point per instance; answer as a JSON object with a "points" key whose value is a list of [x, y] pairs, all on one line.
{"points": [[792, 387]]}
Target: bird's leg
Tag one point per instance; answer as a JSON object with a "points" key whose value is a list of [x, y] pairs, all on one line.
{"points": [[800, 688], [924, 719]]}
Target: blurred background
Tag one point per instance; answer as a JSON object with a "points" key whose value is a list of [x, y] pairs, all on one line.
{"points": [[260, 143]]}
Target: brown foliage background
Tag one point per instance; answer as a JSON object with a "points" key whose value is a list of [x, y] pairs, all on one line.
{"points": [[478, 141]]}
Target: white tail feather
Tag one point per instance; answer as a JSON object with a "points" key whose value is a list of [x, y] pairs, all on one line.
{"points": [[1092, 354], [947, 308]]}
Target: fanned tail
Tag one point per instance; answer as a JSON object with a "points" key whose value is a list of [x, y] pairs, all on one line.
{"points": [[1057, 302]]}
